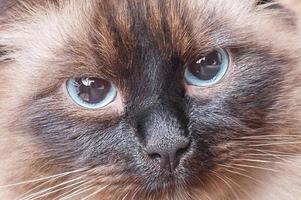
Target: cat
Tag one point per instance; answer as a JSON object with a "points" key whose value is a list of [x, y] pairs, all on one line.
{"points": [[158, 99]]}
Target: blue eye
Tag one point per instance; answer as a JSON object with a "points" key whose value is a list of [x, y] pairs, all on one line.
{"points": [[92, 93], [209, 69]]}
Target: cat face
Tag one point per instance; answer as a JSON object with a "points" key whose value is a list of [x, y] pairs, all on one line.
{"points": [[145, 99]]}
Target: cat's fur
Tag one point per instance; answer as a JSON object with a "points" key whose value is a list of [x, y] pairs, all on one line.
{"points": [[245, 131]]}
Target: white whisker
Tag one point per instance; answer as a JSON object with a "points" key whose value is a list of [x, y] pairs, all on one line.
{"points": [[268, 137], [273, 144], [75, 190], [51, 190], [227, 184], [40, 179], [242, 174], [253, 160], [95, 193], [78, 192], [256, 167]]}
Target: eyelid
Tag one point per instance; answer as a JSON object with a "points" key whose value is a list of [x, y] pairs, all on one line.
{"points": [[205, 92], [194, 80], [116, 107], [109, 98]]}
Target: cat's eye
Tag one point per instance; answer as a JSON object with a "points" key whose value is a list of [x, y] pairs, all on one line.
{"points": [[92, 93], [209, 69]]}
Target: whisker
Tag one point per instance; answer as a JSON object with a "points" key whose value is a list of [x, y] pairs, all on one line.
{"points": [[95, 193], [273, 144], [75, 190], [266, 151], [78, 192], [40, 179], [50, 190], [285, 159], [214, 183], [126, 196], [236, 168], [228, 185], [271, 155], [35, 188], [276, 152], [253, 160], [54, 191], [242, 174], [237, 185], [267, 137], [255, 167]]}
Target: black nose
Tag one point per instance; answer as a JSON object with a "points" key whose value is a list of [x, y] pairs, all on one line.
{"points": [[168, 153], [165, 135]]}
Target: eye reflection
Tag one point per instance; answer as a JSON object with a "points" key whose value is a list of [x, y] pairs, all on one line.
{"points": [[209, 69], [92, 93]]}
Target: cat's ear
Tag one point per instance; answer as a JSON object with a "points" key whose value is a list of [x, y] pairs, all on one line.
{"points": [[283, 10], [279, 4]]}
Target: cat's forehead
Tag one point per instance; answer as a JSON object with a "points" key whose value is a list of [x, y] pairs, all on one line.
{"points": [[107, 37], [123, 30], [127, 23]]}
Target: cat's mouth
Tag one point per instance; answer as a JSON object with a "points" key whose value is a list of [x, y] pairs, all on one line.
{"points": [[189, 172], [162, 181], [171, 185]]}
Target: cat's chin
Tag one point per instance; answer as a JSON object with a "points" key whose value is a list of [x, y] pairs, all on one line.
{"points": [[169, 184], [164, 181], [152, 182]]}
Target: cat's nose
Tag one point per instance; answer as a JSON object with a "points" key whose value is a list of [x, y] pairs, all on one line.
{"points": [[168, 154]]}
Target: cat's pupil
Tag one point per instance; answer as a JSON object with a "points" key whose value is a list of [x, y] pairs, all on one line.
{"points": [[207, 67], [92, 90]]}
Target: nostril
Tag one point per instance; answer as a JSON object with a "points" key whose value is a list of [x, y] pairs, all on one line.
{"points": [[168, 156], [180, 152], [154, 156]]}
